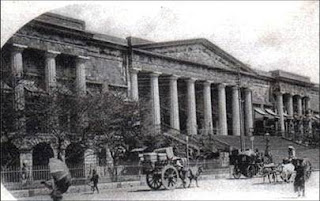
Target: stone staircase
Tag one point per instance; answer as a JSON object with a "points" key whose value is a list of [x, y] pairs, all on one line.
{"points": [[278, 145], [197, 143]]}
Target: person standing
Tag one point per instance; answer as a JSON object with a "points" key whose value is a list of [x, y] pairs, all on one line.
{"points": [[299, 181], [24, 174], [95, 180]]}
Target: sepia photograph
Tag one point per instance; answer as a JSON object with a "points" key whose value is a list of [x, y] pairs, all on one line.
{"points": [[160, 100]]}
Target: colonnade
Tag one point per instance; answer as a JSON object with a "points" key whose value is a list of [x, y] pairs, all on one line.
{"points": [[50, 68], [192, 127], [289, 107]]}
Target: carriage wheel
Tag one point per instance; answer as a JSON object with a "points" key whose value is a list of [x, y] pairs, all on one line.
{"points": [[169, 177], [154, 181], [250, 171], [236, 172]]}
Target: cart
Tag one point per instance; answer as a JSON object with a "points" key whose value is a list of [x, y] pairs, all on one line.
{"points": [[162, 168], [246, 164]]}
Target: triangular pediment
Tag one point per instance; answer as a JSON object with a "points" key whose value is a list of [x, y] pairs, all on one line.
{"points": [[200, 51]]}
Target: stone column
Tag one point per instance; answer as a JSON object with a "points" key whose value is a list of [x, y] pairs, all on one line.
{"points": [[134, 84], [174, 104], [235, 111], [155, 99], [192, 115], [280, 112], [222, 109], [299, 104], [19, 97], [16, 60], [50, 69], [290, 105], [248, 111], [80, 82], [207, 108], [308, 106]]}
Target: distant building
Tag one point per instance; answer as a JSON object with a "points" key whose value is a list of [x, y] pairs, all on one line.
{"points": [[194, 87]]}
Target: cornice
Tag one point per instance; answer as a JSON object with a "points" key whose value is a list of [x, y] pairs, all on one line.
{"points": [[202, 41]]}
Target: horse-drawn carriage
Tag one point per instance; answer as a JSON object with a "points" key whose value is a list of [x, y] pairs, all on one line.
{"points": [[162, 168], [246, 163]]}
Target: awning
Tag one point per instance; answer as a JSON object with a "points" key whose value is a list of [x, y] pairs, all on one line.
{"points": [[139, 149], [31, 86], [269, 111], [260, 111], [63, 89]]}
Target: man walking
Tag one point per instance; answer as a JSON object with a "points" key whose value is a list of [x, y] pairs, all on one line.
{"points": [[95, 180]]}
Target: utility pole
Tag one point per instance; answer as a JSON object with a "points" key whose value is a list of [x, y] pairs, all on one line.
{"points": [[187, 140], [242, 141]]}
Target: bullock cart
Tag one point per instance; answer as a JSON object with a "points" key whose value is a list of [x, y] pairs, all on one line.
{"points": [[162, 168]]}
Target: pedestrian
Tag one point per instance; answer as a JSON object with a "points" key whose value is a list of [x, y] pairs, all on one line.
{"points": [[291, 153], [24, 174], [299, 181], [94, 179]]}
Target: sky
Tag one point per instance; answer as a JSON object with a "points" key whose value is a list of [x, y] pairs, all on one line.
{"points": [[266, 35]]}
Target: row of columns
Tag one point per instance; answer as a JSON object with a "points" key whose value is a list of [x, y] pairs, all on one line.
{"points": [[50, 68], [50, 78], [289, 107], [191, 102]]}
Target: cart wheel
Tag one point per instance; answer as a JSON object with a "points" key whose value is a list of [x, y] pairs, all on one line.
{"points": [[236, 173], [169, 177], [154, 181], [250, 171]]}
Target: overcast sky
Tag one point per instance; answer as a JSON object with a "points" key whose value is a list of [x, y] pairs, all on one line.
{"points": [[266, 35]]}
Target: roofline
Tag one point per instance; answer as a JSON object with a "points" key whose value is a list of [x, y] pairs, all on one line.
{"points": [[203, 41], [194, 63], [87, 35]]}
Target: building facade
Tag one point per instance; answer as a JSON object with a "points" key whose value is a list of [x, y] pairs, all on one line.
{"points": [[192, 86]]}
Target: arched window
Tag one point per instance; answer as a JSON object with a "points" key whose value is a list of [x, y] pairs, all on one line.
{"points": [[103, 157], [74, 155], [75, 160], [41, 154]]}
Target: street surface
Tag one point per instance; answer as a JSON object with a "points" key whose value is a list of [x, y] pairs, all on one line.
{"points": [[220, 189]]}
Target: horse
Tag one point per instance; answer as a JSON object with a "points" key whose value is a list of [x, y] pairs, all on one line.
{"points": [[286, 171], [190, 173], [269, 170], [194, 173]]}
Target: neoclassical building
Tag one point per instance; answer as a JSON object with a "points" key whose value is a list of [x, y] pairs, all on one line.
{"points": [[193, 86]]}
